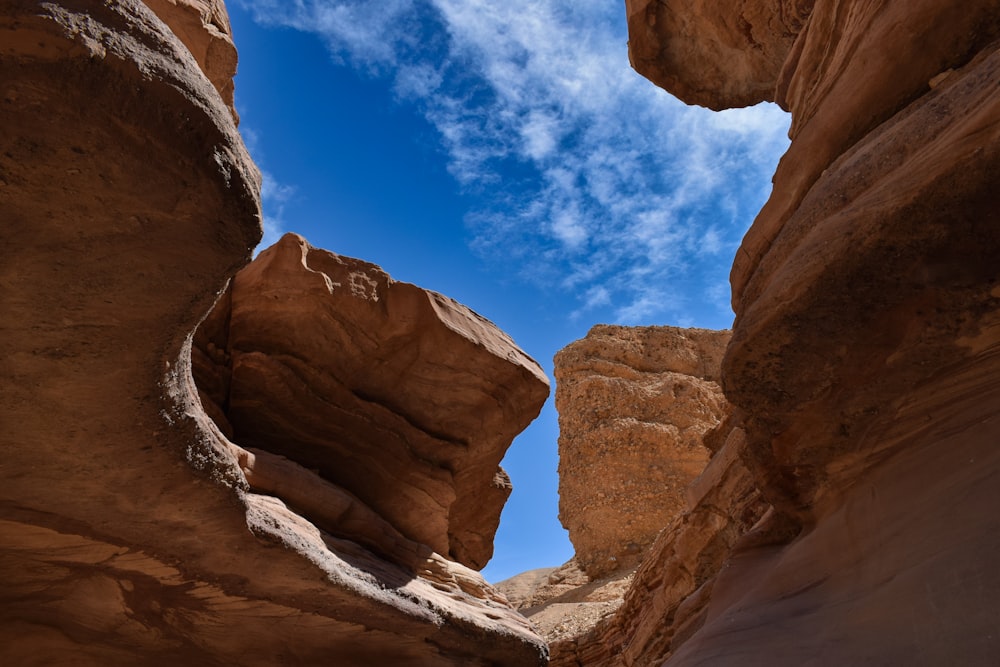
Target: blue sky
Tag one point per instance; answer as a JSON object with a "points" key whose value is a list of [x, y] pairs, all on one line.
{"points": [[504, 154]]}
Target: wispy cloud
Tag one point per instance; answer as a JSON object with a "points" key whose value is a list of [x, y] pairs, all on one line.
{"points": [[592, 179], [273, 195]]}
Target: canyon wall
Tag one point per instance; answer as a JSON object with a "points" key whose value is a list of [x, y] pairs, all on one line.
{"points": [[132, 529], [865, 353], [203, 27]]}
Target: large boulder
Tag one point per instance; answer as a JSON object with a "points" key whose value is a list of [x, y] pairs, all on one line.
{"points": [[634, 403], [401, 396]]}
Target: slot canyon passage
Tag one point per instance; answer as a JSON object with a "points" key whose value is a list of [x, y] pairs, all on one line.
{"points": [[295, 460]]}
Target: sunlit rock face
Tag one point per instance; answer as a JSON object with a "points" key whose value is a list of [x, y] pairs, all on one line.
{"points": [[203, 27], [669, 594], [865, 351], [132, 531], [402, 397], [633, 405], [640, 413]]}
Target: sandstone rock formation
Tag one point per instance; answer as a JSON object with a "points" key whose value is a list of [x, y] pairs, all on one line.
{"points": [[402, 397], [129, 533], [879, 240], [669, 593], [203, 27], [716, 53], [864, 355], [633, 405]]}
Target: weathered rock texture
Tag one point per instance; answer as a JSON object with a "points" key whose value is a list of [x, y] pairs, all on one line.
{"points": [[635, 407], [634, 403], [716, 53], [669, 593], [402, 397], [122, 222], [203, 27], [563, 602], [865, 354]]}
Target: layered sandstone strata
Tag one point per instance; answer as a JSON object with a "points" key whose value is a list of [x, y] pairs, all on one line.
{"points": [[865, 350], [401, 397], [132, 531], [634, 403]]}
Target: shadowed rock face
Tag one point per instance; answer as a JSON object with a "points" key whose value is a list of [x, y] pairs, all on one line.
{"points": [[864, 356], [203, 27], [129, 533], [633, 405], [400, 396]]}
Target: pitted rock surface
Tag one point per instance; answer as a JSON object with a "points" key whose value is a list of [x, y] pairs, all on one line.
{"points": [[634, 403]]}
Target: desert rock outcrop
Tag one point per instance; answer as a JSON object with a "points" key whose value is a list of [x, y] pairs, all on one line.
{"points": [[402, 397], [639, 413], [563, 603], [634, 403], [132, 531], [667, 599], [203, 27], [716, 53], [864, 356]]}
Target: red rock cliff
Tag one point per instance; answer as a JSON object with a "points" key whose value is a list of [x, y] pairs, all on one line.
{"points": [[132, 531], [866, 344]]}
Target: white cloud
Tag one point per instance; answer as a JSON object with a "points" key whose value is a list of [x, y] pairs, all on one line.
{"points": [[711, 242], [567, 227], [366, 33], [272, 192], [540, 133], [417, 81], [633, 190], [273, 196]]}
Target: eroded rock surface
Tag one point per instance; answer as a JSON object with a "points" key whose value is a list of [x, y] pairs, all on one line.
{"points": [[863, 362], [667, 599], [129, 533], [634, 403], [402, 397], [716, 53], [635, 406], [203, 27], [563, 603]]}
